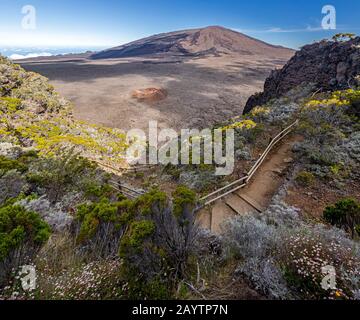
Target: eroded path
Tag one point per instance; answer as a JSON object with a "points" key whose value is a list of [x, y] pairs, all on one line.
{"points": [[257, 195]]}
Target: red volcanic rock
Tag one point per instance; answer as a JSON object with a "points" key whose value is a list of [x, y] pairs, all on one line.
{"points": [[149, 94]]}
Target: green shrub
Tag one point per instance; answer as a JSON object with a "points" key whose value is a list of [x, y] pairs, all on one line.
{"points": [[18, 225], [354, 109], [7, 164], [152, 201], [344, 214], [305, 178], [21, 164], [91, 215], [9, 105], [184, 199], [153, 289], [101, 225], [97, 191], [22, 233], [139, 231], [152, 238], [61, 174]]}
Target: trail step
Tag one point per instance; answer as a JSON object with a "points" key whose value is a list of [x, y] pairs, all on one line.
{"points": [[203, 217], [253, 203], [238, 205], [220, 213]]}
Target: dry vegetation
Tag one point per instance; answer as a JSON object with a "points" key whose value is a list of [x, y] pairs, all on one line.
{"points": [[88, 241]]}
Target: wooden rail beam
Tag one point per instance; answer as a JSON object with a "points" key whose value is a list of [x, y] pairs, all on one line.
{"points": [[245, 180]]}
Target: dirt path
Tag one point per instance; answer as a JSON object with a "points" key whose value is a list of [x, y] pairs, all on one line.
{"points": [[257, 195]]}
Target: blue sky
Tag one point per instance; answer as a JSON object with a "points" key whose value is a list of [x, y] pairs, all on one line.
{"points": [[112, 22]]}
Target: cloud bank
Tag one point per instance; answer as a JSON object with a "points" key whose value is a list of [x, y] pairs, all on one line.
{"points": [[29, 55]]}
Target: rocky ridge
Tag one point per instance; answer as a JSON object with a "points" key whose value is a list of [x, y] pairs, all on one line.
{"points": [[329, 65]]}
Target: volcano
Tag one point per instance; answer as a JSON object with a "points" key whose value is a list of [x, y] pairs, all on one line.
{"points": [[212, 40]]}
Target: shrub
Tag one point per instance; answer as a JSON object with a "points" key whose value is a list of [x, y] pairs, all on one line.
{"points": [[7, 164], [9, 105], [305, 178], [283, 257], [95, 280], [158, 244], [256, 241], [253, 242], [133, 242], [22, 233], [241, 125], [308, 250], [61, 174], [339, 37], [281, 112], [260, 112], [91, 281], [96, 191], [184, 200], [12, 184], [344, 214], [101, 226], [351, 147]]}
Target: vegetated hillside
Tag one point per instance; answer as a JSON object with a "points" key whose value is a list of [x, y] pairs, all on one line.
{"points": [[88, 241], [34, 115], [196, 42]]}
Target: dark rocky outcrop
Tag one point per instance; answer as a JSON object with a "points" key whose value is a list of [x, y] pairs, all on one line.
{"points": [[329, 65]]}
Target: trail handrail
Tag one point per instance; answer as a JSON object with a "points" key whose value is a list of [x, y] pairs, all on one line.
{"points": [[223, 192], [273, 142], [129, 192], [139, 167]]}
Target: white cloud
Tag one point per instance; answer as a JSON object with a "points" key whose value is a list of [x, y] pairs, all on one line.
{"points": [[307, 29], [30, 55], [35, 38], [281, 30]]}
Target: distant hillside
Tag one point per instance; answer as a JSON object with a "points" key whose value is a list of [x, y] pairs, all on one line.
{"points": [[196, 42]]}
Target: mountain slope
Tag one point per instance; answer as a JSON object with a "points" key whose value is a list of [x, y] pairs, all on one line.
{"points": [[195, 42]]}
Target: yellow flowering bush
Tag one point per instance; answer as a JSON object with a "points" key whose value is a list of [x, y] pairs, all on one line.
{"points": [[33, 114], [333, 101], [259, 111], [243, 124], [337, 99]]}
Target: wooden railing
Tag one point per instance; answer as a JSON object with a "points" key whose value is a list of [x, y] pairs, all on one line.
{"points": [[216, 195], [126, 190], [138, 168], [241, 183]]}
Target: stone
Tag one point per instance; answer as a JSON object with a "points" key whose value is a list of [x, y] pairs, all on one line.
{"points": [[341, 71], [288, 160]]}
